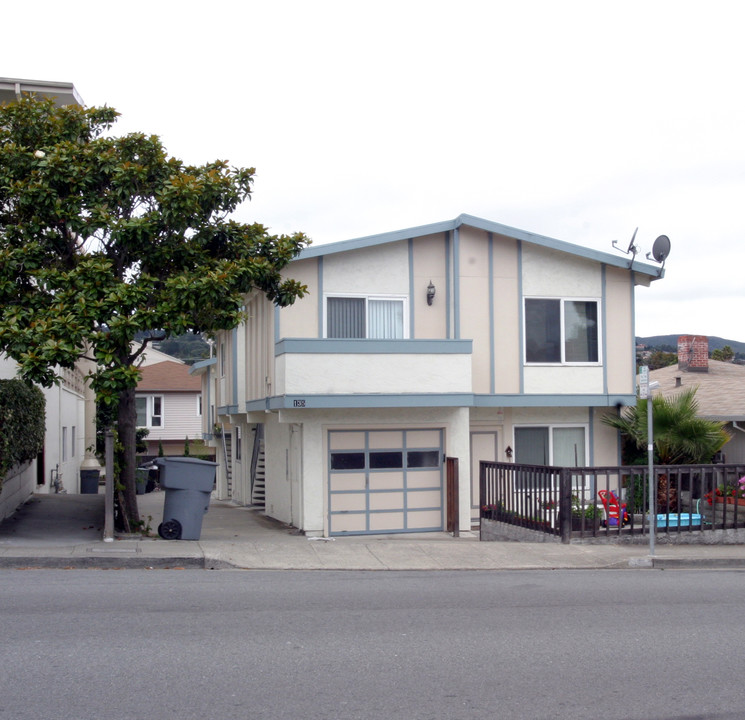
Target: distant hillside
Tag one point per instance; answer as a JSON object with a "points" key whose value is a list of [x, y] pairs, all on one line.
{"points": [[671, 342]]}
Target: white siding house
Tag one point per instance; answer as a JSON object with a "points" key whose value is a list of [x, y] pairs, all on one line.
{"points": [[169, 405]]}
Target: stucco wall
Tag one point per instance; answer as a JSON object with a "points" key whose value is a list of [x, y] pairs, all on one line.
{"points": [[18, 486], [309, 373], [315, 427]]}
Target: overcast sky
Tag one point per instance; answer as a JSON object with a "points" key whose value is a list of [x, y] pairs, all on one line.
{"points": [[576, 120]]}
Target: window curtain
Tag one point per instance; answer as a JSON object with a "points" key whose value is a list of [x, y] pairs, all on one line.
{"points": [[386, 319], [569, 447], [531, 446], [141, 405], [581, 331], [345, 317]]}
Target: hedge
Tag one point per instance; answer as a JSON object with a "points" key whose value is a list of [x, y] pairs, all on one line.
{"points": [[22, 424]]}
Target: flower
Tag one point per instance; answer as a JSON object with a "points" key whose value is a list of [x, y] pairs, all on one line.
{"points": [[39, 154]]}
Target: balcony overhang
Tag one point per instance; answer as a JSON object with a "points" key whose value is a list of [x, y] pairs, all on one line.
{"points": [[12, 89]]}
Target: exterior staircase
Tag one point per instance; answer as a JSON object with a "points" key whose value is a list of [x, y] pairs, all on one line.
{"points": [[258, 477], [227, 449]]}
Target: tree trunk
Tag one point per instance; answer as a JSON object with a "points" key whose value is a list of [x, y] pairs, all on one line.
{"points": [[126, 422]]}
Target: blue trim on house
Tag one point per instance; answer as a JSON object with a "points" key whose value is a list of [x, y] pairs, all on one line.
{"points": [[531, 401], [320, 297], [651, 271], [234, 353], [448, 286], [456, 282], [633, 333], [412, 294], [193, 370], [520, 317], [229, 409], [604, 321], [431, 400], [363, 346], [591, 435], [492, 348]]}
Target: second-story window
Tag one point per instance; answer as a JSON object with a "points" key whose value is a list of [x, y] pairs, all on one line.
{"points": [[149, 410], [561, 331], [362, 316]]}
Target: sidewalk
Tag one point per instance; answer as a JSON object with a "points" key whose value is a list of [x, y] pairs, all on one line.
{"points": [[66, 531]]}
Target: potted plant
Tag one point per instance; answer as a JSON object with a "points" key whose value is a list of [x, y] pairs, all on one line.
{"points": [[730, 494], [587, 518]]}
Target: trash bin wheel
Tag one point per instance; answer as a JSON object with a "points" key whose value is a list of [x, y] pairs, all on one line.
{"points": [[170, 530]]}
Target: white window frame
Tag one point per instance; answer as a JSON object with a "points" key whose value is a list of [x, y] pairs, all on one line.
{"points": [[562, 332], [199, 405], [150, 411], [585, 427], [404, 299]]}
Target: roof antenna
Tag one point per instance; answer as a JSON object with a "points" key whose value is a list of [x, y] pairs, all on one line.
{"points": [[631, 250]]}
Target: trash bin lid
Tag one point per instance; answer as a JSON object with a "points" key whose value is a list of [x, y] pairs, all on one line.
{"points": [[178, 459]]}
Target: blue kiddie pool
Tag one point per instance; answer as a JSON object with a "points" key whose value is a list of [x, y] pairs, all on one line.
{"points": [[679, 520]]}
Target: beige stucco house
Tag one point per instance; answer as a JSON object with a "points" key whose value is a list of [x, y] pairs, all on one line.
{"points": [[464, 339]]}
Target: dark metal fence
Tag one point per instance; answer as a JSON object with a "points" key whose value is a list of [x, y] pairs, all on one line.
{"points": [[567, 501]]}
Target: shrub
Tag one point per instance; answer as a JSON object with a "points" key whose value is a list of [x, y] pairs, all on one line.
{"points": [[22, 424]]}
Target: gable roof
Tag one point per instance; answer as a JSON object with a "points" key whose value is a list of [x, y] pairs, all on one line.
{"points": [[720, 392], [652, 271], [168, 376]]}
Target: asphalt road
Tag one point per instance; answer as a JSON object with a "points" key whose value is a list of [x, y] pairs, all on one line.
{"points": [[193, 644]]}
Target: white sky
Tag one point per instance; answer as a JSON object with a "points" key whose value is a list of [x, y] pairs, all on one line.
{"points": [[576, 120]]}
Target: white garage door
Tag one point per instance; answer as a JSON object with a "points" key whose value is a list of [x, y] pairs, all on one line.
{"points": [[385, 481]]}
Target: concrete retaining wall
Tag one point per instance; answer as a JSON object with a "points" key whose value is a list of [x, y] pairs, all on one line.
{"points": [[18, 486]]}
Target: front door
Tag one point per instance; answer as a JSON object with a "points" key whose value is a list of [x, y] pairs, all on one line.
{"points": [[483, 447]]}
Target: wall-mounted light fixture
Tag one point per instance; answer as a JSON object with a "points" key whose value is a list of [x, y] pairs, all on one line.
{"points": [[508, 452], [430, 293]]}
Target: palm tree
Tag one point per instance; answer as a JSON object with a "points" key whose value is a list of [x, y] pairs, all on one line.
{"points": [[680, 436]]}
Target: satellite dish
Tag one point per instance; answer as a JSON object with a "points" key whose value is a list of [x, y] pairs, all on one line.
{"points": [[661, 248], [631, 250]]}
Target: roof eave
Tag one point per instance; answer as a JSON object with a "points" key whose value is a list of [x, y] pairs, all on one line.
{"points": [[649, 271]]}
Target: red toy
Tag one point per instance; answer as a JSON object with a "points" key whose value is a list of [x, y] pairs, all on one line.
{"points": [[612, 509]]}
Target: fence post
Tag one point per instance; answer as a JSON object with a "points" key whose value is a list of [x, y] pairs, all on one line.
{"points": [[565, 505]]}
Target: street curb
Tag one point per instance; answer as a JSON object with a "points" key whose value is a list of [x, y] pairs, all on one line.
{"points": [[689, 563], [105, 563]]}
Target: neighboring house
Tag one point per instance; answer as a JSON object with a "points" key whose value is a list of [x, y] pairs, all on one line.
{"points": [[720, 389], [466, 339], [70, 406], [169, 405]]}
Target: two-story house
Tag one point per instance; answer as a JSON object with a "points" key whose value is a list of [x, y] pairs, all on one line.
{"points": [[465, 339], [169, 405]]}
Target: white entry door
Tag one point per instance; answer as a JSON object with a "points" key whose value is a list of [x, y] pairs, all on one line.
{"points": [[483, 447]]}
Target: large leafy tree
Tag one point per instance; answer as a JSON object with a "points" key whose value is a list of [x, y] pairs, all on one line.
{"points": [[102, 237]]}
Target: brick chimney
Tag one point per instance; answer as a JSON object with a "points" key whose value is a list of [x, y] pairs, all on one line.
{"points": [[693, 353]]}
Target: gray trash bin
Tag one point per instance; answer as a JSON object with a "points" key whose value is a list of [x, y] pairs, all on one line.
{"points": [[188, 483]]}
